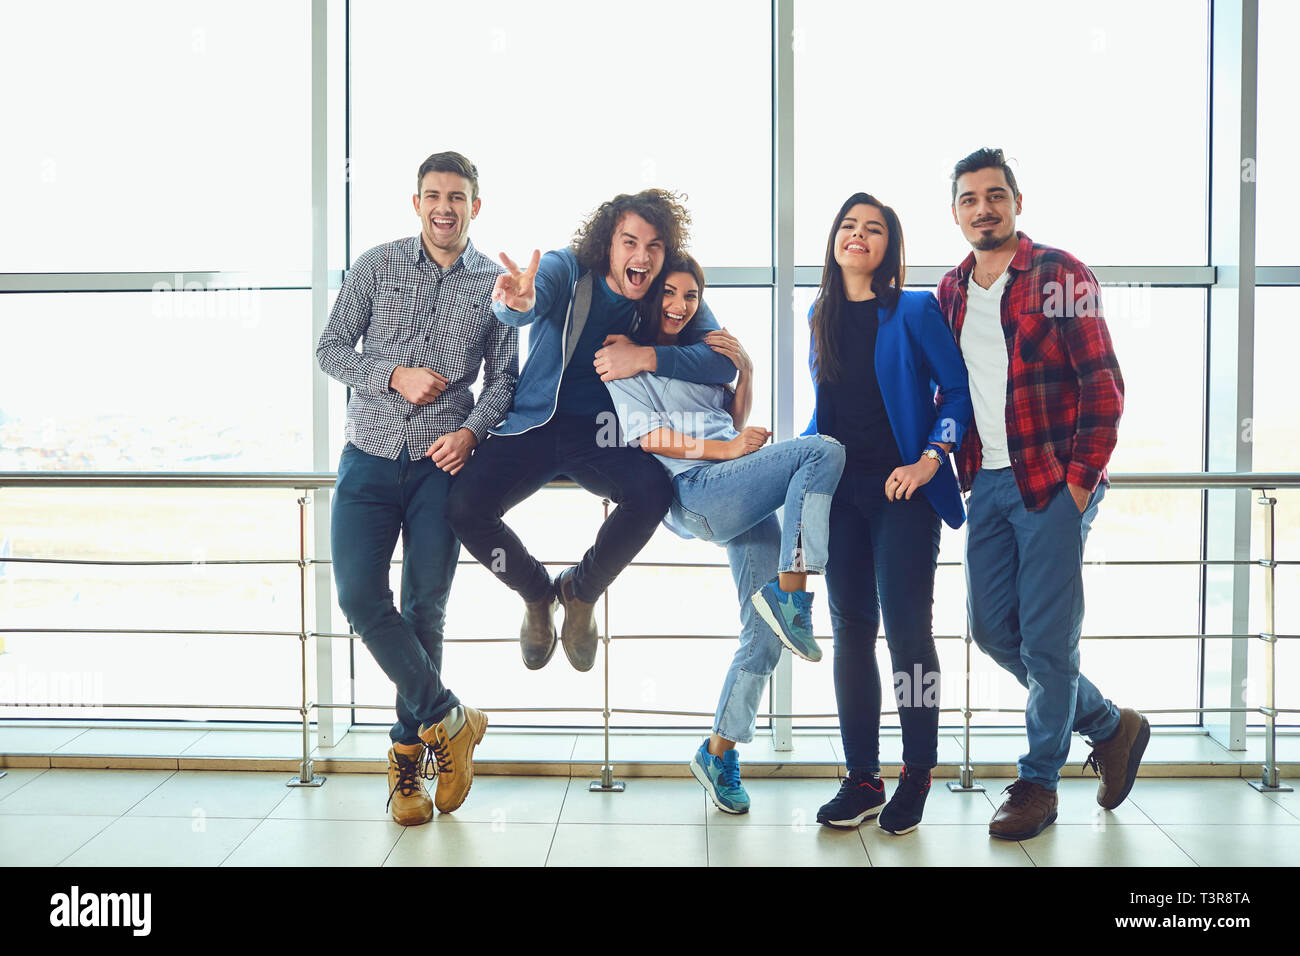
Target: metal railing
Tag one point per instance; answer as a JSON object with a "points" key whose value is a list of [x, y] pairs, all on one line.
{"points": [[307, 483]]}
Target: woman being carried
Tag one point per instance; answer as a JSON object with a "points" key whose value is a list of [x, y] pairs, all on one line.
{"points": [[727, 486]]}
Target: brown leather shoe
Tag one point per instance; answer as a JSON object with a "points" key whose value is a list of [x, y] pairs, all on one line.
{"points": [[537, 633], [578, 634], [453, 751], [407, 798], [1117, 759], [1029, 809]]}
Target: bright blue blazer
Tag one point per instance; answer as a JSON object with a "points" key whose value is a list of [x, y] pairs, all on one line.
{"points": [[915, 356]]}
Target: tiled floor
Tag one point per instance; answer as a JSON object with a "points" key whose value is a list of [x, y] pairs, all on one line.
{"points": [[207, 818]]}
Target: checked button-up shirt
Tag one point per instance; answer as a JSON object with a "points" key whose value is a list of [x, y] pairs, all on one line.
{"points": [[1065, 392], [410, 312]]}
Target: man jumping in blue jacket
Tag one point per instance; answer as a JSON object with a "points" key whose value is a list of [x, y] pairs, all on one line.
{"points": [[575, 299]]}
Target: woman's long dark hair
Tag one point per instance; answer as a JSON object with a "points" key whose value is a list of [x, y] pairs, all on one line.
{"points": [[828, 306], [652, 305]]}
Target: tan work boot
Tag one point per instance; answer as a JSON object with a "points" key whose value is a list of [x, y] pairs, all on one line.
{"points": [[1116, 760], [578, 633], [452, 741], [407, 798], [1029, 809]]}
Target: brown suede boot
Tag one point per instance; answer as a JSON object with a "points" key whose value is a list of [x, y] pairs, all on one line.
{"points": [[407, 798], [578, 634], [1029, 809], [452, 742], [537, 633], [1116, 760]]}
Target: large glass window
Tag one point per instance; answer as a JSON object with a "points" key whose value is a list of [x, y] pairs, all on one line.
{"points": [[1108, 147], [1278, 201], [155, 136], [562, 112]]}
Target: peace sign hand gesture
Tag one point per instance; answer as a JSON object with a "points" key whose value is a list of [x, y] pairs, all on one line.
{"points": [[515, 289]]}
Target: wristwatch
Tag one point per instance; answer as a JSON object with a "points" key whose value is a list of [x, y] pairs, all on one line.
{"points": [[935, 453]]}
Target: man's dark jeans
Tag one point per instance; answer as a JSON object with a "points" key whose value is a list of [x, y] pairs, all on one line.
{"points": [[376, 499], [507, 469]]}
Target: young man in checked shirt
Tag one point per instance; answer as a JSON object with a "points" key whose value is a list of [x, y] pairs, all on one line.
{"points": [[1048, 394], [423, 307]]}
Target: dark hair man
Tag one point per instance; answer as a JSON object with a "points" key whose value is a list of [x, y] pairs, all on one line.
{"points": [[422, 306], [1048, 395], [580, 303]]}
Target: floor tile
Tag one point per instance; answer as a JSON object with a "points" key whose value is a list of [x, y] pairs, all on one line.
{"points": [[45, 840], [939, 845], [16, 777], [343, 796], [775, 803], [247, 743], [1287, 800], [165, 743], [503, 800], [317, 843], [214, 793], [163, 841], [795, 845], [645, 801], [1077, 802], [589, 845], [36, 740], [84, 792], [451, 841], [1240, 845], [1105, 845], [1203, 801]]}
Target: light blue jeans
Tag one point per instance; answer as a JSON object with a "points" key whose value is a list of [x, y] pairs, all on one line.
{"points": [[734, 503], [1024, 584]]}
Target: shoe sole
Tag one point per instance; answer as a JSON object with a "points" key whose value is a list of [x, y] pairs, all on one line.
{"points": [[900, 832], [854, 823], [766, 614], [1026, 834], [699, 775], [469, 762], [1134, 761]]}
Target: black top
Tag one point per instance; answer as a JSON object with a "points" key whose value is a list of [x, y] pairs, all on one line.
{"points": [[852, 409]]}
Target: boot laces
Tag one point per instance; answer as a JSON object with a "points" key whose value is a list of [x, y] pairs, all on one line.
{"points": [[409, 772], [438, 755], [1096, 764]]}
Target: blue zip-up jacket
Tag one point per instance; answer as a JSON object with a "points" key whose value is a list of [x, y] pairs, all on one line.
{"points": [[551, 321], [915, 352]]}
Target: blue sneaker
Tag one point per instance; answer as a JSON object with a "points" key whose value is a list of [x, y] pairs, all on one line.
{"points": [[720, 777], [789, 614]]}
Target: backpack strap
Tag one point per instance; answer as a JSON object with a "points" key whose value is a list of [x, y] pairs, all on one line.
{"points": [[579, 309]]}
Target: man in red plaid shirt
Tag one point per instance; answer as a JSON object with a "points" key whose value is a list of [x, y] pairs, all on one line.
{"points": [[1048, 395]]}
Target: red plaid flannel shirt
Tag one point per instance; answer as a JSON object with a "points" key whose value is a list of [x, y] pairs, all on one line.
{"points": [[1064, 388]]}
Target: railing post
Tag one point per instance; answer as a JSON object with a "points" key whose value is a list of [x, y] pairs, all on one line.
{"points": [[967, 782], [1269, 780], [606, 783], [306, 775]]}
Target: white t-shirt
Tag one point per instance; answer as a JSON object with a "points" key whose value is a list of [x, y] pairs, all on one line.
{"points": [[984, 349]]}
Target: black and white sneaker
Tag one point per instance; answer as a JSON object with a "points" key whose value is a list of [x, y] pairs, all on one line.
{"points": [[903, 812], [860, 797]]}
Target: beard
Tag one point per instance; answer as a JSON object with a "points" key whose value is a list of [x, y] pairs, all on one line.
{"points": [[990, 240]]}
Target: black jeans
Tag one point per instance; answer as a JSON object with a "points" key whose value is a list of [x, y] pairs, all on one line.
{"points": [[507, 469], [882, 557]]}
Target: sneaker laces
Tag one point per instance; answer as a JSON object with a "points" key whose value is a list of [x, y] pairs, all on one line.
{"points": [[802, 601], [409, 772], [730, 773]]}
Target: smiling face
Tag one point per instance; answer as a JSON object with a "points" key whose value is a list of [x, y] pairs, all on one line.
{"points": [[636, 255], [861, 240], [445, 210], [986, 209], [681, 300]]}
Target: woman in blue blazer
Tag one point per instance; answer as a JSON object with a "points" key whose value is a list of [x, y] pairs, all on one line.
{"points": [[891, 387]]}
